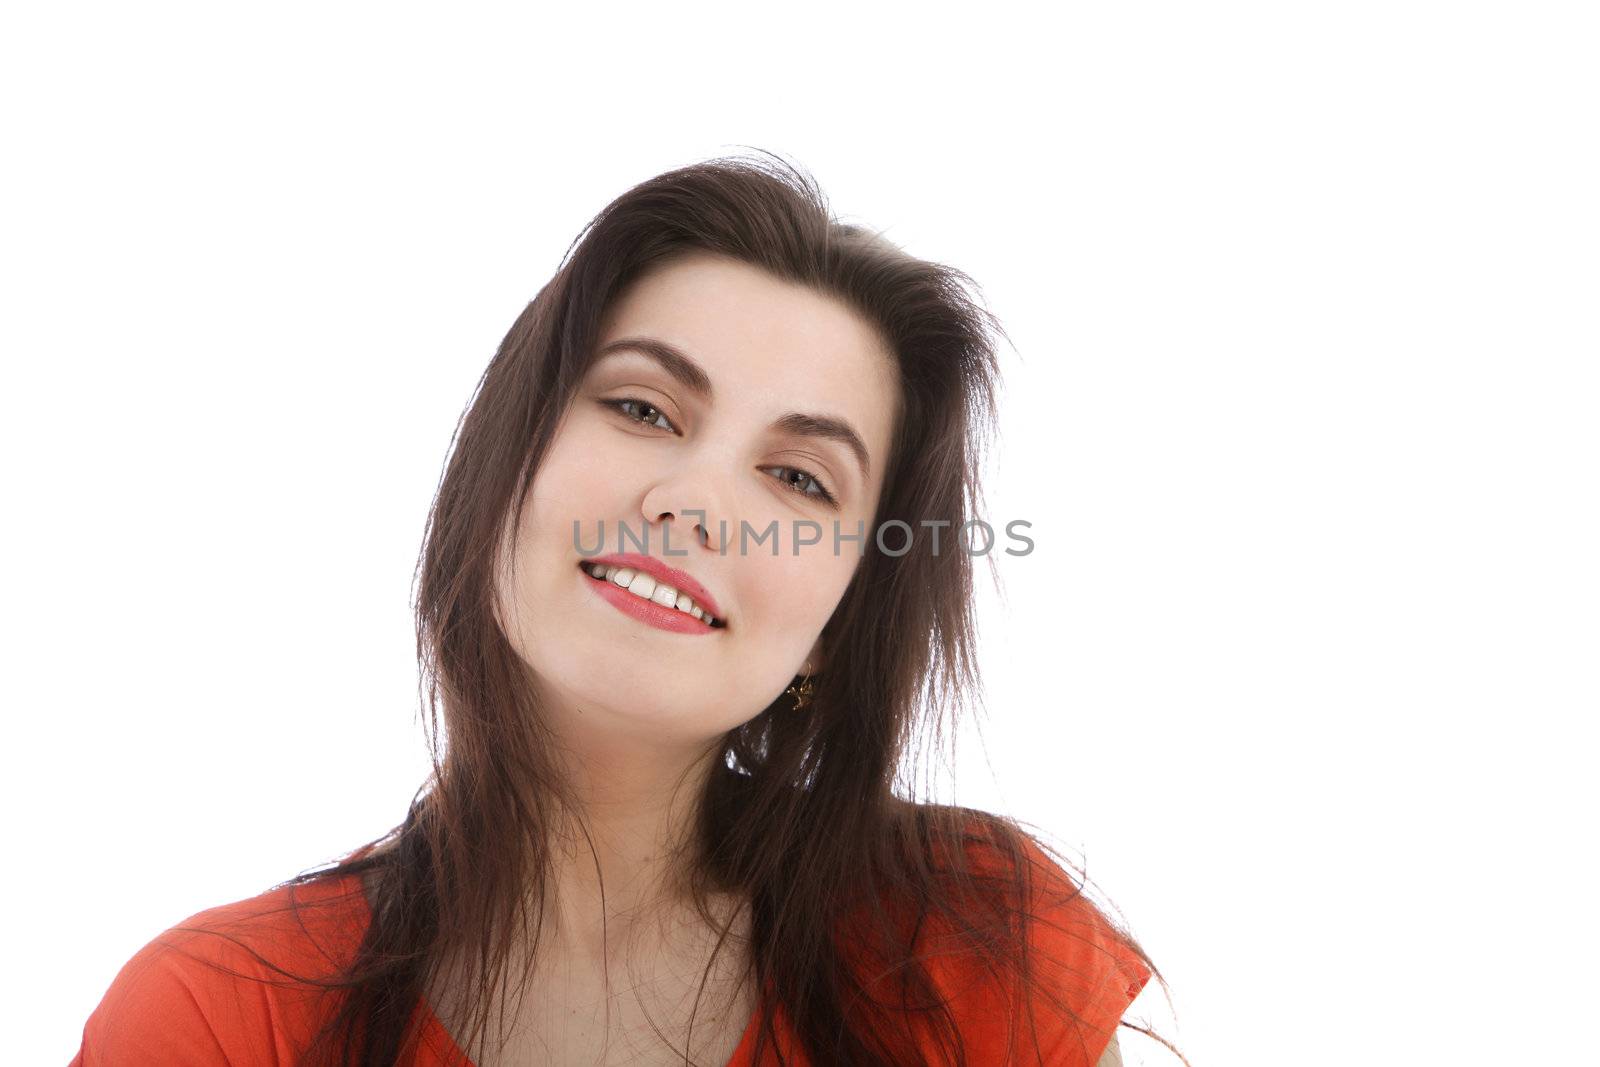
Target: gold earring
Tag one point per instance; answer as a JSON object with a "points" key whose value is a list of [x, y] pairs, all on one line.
{"points": [[802, 692]]}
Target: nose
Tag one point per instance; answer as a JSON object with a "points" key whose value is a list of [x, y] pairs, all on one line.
{"points": [[682, 497]]}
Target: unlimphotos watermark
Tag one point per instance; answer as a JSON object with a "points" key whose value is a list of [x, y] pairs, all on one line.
{"points": [[895, 537]]}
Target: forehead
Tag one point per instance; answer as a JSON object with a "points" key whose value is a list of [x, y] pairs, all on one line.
{"points": [[767, 344]]}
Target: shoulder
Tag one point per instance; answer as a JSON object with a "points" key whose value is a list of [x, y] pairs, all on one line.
{"points": [[1084, 970], [229, 984]]}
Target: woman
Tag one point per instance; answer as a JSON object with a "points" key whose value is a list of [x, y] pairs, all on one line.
{"points": [[678, 657]]}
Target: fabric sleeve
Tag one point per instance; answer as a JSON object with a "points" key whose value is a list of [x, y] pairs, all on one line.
{"points": [[1083, 975], [1081, 960], [151, 1014], [195, 999]]}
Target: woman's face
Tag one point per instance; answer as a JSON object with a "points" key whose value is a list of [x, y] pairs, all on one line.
{"points": [[688, 449]]}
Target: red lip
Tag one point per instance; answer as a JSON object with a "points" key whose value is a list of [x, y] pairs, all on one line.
{"points": [[672, 576], [647, 611]]}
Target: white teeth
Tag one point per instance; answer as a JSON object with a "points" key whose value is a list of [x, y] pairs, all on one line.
{"points": [[644, 586]]}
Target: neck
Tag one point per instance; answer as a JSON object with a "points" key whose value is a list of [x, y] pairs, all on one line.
{"points": [[620, 858]]}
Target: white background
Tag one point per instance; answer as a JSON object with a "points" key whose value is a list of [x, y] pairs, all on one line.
{"points": [[1302, 406]]}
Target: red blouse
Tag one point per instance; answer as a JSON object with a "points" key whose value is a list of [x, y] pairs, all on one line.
{"points": [[169, 1005]]}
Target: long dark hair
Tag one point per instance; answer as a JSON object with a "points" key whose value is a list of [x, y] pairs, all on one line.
{"points": [[799, 816]]}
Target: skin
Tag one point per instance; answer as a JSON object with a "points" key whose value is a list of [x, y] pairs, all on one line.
{"points": [[637, 710]]}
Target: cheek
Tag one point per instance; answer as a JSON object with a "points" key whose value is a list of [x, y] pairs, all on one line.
{"points": [[801, 593], [574, 482]]}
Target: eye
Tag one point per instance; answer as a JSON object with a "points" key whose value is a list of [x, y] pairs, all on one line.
{"points": [[798, 480], [627, 405], [647, 414]]}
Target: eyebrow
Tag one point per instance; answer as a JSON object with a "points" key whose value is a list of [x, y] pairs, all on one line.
{"points": [[690, 374]]}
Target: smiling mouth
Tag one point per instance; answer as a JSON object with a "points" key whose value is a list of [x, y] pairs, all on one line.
{"points": [[645, 587]]}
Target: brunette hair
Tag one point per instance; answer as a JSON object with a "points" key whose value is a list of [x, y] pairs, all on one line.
{"points": [[799, 816]]}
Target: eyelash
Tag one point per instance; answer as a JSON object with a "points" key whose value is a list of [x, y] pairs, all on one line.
{"points": [[620, 407]]}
